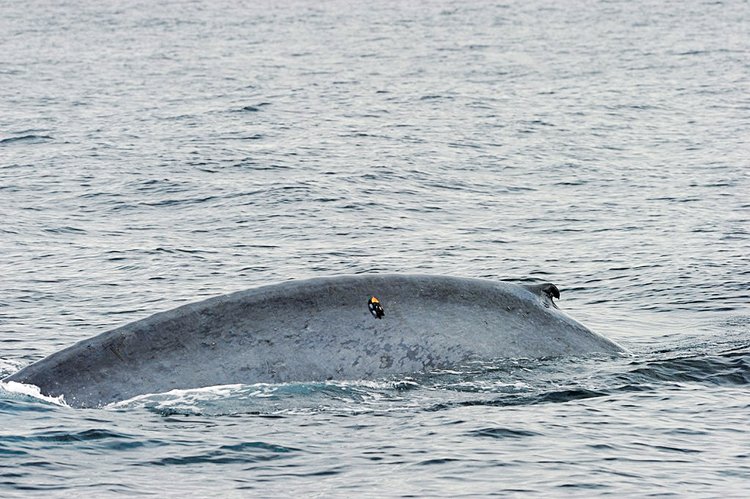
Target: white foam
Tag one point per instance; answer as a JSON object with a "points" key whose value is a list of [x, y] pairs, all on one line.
{"points": [[177, 396], [31, 391]]}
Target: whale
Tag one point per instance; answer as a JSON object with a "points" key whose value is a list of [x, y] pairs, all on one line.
{"points": [[350, 327]]}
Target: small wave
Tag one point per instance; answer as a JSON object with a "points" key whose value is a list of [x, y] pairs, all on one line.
{"points": [[74, 436], [728, 368], [439, 460], [533, 397], [242, 453], [253, 108], [569, 395], [28, 138], [64, 230], [501, 433], [436, 97]]}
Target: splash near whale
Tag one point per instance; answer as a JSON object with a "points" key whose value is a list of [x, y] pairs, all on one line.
{"points": [[347, 327]]}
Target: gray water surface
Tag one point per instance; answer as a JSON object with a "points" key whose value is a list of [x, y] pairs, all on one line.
{"points": [[155, 155]]}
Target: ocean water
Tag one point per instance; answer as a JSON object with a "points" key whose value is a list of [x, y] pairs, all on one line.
{"points": [[153, 155]]}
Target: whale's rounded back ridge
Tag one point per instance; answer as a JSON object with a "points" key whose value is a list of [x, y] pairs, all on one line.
{"points": [[314, 330]]}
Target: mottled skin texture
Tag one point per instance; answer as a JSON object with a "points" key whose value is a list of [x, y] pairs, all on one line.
{"points": [[315, 330]]}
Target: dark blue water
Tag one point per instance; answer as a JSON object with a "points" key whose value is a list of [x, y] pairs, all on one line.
{"points": [[153, 155]]}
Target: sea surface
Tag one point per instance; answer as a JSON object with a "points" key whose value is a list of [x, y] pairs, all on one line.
{"points": [[154, 154]]}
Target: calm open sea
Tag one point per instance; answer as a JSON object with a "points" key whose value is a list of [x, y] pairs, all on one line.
{"points": [[157, 154]]}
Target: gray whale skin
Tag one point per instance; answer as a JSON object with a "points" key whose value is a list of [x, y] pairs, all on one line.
{"points": [[314, 330]]}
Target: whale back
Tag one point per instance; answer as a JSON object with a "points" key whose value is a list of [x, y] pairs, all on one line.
{"points": [[314, 330]]}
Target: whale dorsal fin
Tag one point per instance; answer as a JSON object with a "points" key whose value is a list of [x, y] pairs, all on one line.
{"points": [[545, 289]]}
